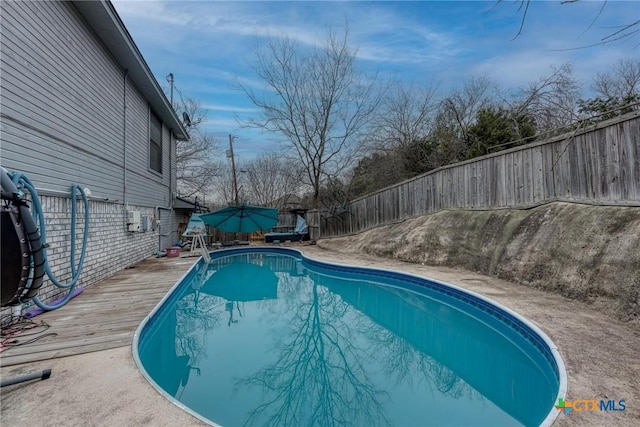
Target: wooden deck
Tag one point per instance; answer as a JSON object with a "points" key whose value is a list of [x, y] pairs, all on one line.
{"points": [[105, 315]]}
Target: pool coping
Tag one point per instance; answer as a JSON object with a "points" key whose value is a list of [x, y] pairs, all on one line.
{"points": [[487, 305]]}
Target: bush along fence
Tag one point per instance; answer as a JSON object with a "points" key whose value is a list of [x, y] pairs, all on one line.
{"points": [[598, 165]]}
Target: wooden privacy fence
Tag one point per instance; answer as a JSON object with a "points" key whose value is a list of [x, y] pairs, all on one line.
{"points": [[600, 164]]}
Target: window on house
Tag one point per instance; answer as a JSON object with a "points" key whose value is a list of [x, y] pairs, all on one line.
{"points": [[155, 143]]}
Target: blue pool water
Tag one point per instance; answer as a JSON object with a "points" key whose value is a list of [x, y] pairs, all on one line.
{"points": [[264, 337]]}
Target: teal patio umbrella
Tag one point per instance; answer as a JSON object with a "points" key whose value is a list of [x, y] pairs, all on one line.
{"points": [[242, 218]]}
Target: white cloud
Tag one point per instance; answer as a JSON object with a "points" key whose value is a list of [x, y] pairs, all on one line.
{"points": [[151, 10], [217, 124], [516, 69], [230, 108]]}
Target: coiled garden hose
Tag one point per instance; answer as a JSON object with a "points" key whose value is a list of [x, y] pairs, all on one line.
{"points": [[38, 246]]}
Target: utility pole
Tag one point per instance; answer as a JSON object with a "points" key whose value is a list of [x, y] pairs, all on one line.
{"points": [[233, 169]]}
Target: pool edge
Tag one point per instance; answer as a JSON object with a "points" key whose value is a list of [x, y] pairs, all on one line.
{"points": [[552, 348], [136, 355]]}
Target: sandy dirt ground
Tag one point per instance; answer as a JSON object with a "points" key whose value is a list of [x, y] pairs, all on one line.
{"points": [[105, 388]]}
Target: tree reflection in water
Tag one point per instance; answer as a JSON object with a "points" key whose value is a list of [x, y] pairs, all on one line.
{"points": [[319, 376], [196, 313], [403, 363]]}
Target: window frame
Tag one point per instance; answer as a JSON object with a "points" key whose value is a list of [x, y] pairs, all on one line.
{"points": [[155, 148]]}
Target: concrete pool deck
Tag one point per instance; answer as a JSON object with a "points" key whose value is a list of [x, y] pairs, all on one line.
{"points": [[103, 387]]}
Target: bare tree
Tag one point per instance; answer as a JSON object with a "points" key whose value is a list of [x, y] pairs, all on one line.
{"points": [[628, 30], [456, 114], [462, 106], [223, 190], [617, 92], [194, 163], [270, 177], [405, 115], [621, 82], [316, 100], [551, 101]]}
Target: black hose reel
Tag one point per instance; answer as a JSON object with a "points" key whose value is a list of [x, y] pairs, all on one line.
{"points": [[21, 244]]}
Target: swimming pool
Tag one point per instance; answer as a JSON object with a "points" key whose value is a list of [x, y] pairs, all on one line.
{"points": [[266, 336]]}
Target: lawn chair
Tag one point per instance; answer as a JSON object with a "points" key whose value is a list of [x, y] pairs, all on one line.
{"points": [[300, 233]]}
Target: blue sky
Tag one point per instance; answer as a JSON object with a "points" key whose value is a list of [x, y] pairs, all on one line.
{"points": [[205, 44]]}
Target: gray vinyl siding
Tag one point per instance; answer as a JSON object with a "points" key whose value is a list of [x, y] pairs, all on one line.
{"points": [[144, 186], [62, 104]]}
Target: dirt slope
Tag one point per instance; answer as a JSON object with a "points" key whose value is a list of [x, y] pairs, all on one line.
{"points": [[588, 253]]}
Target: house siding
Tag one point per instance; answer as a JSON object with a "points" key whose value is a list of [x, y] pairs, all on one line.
{"points": [[144, 186], [61, 99], [69, 113], [63, 102]]}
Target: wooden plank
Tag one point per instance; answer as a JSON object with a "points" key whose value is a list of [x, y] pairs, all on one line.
{"points": [[591, 167], [427, 184], [473, 185], [603, 164], [414, 199], [100, 318], [465, 186], [492, 182], [634, 141], [518, 185], [527, 177], [497, 184], [563, 169], [486, 181], [627, 184], [461, 186], [632, 136], [538, 176], [437, 192], [433, 190], [480, 175], [613, 166], [580, 187], [64, 352], [456, 187], [509, 196], [68, 343]]}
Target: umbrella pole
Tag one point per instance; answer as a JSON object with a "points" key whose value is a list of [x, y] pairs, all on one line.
{"points": [[238, 307], [233, 168]]}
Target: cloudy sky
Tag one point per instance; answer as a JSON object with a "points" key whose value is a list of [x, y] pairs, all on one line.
{"points": [[206, 44]]}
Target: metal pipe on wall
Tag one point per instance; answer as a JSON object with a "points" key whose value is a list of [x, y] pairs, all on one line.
{"points": [[124, 146]]}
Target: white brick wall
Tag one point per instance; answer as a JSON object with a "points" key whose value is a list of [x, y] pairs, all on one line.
{"points": [[110, 248]]}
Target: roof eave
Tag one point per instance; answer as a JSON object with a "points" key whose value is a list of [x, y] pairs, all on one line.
{"points": [[106, 23]]}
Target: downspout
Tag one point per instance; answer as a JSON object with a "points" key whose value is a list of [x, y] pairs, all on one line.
{"points": [[124, 146], [160, 235], [170, 204], [171, 163]]}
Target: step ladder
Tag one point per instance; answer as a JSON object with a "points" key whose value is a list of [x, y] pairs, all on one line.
{"points": [[198, 243]]}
